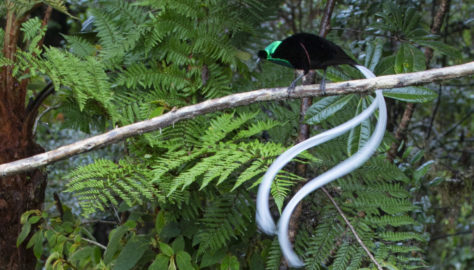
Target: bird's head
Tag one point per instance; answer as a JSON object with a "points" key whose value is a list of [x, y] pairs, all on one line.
{"points": [[262, 55], [269, 50], [267, 53]]}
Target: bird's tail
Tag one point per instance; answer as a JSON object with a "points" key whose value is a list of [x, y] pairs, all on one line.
{"points": [[263, 216]]}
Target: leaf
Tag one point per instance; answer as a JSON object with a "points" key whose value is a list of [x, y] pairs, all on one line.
{"points": [[466, 36], [25, 230], [25, 216], [160, 222], [178, 244], [34, 219], [386, 66], [170, 230], [440, 47], [82, 254], [166, 249], [230, 263], [183, 260], [131, 253], [409, 59], [436, 181], [411, 94], [359, 135], [209, 258], [38, 246], [53, 256], [160, 263], [114, 242], [36, 241], [389, 266], [325, 108], [374, 52], [422, 170]]}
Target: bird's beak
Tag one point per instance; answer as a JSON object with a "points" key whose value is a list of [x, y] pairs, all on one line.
{"points": [[257, 64]]}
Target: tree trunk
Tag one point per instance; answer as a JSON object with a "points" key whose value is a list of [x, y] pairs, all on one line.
{"points": [[18, 193], [21, 192]]}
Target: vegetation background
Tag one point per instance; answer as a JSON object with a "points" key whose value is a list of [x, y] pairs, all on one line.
{"points": [[183, 197]]}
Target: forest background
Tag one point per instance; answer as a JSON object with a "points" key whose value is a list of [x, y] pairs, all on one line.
{"points": [[182, 197]]}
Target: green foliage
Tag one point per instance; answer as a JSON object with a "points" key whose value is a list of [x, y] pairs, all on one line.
{"points": [[377, 204], [183, 198], [89, 94], [103, 182]]}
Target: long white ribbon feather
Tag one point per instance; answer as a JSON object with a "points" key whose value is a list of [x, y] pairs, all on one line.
{"points": [[263, 216]]}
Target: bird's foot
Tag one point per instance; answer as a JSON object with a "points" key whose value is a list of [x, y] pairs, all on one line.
{"points": [[291, 89], [323, 89], [322, 86]]}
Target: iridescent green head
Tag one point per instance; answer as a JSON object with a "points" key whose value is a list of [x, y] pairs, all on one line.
{"points": [[269, 50], [267, 54]]}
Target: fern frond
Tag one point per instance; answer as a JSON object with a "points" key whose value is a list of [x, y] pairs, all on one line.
{"points": [[103, 183], [400, 236], [80, 47], [224, 219], [33, 32], [58, 5], [274, 256], [343, 256]]}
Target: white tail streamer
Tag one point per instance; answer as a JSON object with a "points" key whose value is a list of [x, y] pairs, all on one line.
{"points": [[263, 216]]}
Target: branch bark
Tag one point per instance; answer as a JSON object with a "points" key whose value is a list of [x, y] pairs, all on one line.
{"points": [[232, 101]]}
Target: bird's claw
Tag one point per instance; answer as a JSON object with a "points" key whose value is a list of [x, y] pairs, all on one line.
{"points": [[291, 89], [323, 89]]}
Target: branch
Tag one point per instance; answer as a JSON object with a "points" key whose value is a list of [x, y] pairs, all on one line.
{"points": [[401, 132], [232, 101], [372, 258], [434, 238], [94, 243], [35, 125]]}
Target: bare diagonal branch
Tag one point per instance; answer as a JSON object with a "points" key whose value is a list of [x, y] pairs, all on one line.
{"points": [[232, 101]]}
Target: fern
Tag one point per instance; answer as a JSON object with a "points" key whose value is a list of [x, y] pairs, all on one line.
{"points": [[161, 54], [274, 256], [103, 183], [22, 7], [224, 219], [376, 201]]}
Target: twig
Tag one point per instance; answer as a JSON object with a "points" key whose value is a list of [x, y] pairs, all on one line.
{"points": [[41, 115], [232, 101], [453, 127], [94, 243], [400, 134], [372, 258], [59, 205], [450, 235], [92, 221], [435, 111]]}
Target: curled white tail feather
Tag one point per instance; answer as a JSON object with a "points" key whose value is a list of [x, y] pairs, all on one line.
{"points": [[263, 216]]}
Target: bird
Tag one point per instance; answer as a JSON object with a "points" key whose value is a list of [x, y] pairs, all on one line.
{"points": [[305, 51]]}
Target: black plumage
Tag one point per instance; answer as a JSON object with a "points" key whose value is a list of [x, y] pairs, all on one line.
{"points": [[306, 52]]}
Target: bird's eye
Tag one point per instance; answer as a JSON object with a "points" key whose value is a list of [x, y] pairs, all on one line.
{"points": [[262, 54]]}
